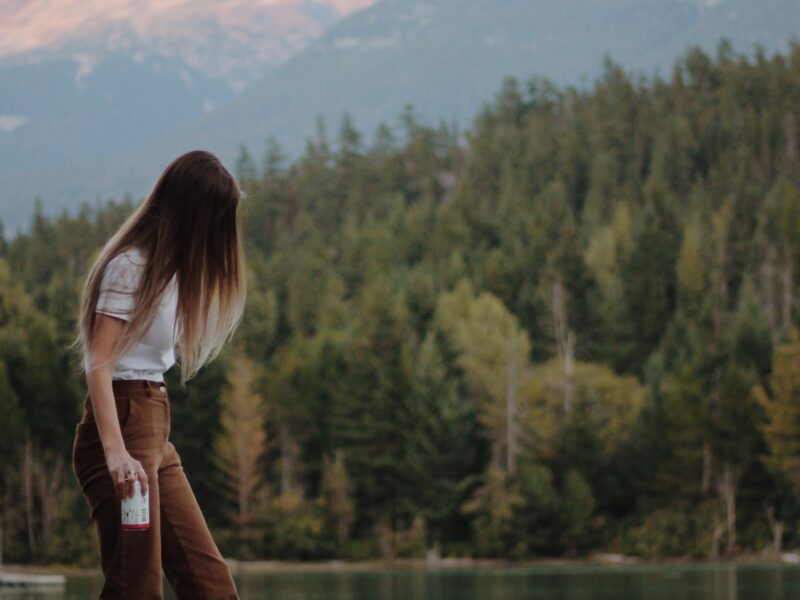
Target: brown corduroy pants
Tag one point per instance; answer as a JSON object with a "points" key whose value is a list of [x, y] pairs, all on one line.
{"points": [[178, 539]]}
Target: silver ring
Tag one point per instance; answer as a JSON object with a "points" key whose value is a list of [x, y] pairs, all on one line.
{"points": [[129, 471]]}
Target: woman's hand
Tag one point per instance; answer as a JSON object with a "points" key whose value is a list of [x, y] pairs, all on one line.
{"points": [[119, 462]]}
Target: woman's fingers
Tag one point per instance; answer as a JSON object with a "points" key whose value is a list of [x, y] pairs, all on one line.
{"points": [[125, 470], [120, 485], [142, 476], [126, 476]]}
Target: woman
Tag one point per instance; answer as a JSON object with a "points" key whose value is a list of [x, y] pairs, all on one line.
{"points": [[171, 276]]}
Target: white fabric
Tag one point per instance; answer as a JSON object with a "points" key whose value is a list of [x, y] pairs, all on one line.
{"points": [[155, 352]]}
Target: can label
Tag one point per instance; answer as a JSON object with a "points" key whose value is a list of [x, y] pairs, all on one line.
{"points": [[136, 509]]}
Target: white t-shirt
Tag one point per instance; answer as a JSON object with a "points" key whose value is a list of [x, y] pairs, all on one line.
{"points": [[155, 352]]}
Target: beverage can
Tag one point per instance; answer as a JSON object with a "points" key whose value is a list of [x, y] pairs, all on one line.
{"points": [[136, 509]]}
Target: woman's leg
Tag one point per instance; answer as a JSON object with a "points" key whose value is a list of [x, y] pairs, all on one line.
{"points": [[131, 560], [191, 560]]}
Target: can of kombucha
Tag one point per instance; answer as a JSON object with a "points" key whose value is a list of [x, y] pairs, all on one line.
{"points": [[136, 509]]}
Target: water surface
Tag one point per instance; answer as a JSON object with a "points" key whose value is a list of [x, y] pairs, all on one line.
{"points": [[638, 582]]}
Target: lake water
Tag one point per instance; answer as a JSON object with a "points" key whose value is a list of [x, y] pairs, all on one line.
{"points": [[638, 582]]}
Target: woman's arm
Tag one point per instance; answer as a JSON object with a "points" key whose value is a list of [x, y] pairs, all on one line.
{"points": [[107, 331]]}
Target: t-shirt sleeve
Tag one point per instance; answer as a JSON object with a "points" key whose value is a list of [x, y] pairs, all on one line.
{"points": [[117, 287]]}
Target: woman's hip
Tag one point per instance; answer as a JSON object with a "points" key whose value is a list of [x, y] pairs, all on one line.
{"points": [[143, 414]]}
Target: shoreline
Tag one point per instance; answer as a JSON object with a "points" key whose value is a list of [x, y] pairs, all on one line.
{"points": [[602, 560]]}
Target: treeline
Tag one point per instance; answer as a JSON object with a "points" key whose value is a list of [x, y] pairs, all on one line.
{"points": [[571, 328]]}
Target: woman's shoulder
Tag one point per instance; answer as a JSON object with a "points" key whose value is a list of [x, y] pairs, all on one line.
{"points": [[130, 257], [125, 267], [133, 255]]}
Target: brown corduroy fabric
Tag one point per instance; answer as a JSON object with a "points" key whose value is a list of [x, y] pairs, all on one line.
{"points": [[178, 539]]}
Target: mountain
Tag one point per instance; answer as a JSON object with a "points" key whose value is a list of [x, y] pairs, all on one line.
{"points": [[446, 57], [233, 40], [82, 81]]}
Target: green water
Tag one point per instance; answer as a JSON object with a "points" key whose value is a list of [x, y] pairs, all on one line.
{"points": [[685, 582]]}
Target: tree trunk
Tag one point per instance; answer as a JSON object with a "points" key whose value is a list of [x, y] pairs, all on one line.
{"points": [[766, 286], [708, 467], [727, 490], [384, 532], [565, 341], [511, 407], [287, 460], [719, 529], [788, 294], [777, 527], [344, 510], [27, 486], [48, 483]]}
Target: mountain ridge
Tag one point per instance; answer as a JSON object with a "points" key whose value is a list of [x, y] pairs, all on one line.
{"points": [[376, 61], [233, 40]]}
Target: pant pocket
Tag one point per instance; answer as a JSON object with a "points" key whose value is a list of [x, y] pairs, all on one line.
{"points": [[125, 412], [87, 423], [87, 447]]}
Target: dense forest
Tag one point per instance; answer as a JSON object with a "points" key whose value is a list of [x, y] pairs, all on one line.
{"points": [[570, 328]]}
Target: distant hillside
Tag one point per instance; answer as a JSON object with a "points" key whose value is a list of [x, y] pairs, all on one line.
{"points": [[446, 57], [93, 109]]}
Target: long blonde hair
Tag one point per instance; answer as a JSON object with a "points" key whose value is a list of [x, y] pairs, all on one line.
{"points": [[189, 227]]}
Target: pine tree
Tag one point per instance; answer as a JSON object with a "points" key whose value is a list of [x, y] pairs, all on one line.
{"points": [[781, 404], [241, 444], [493, 355]]}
